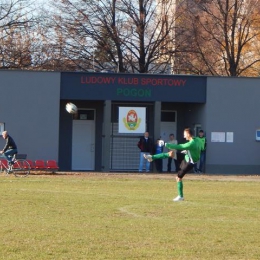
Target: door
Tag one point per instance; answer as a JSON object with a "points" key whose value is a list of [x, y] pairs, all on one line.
{"points": [[83, 145], [168, 126]]}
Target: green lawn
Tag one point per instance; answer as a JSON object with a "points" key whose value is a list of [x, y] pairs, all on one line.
{"points": [[127, 217]]}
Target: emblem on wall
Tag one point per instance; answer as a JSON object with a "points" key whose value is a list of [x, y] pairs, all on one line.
{"points": [[131, 120]]}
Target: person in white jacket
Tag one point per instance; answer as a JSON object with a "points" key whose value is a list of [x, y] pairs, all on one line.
{"points": [[172, 140]]}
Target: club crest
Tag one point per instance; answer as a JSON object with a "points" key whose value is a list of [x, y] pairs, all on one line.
{"points": [[131, 120]]}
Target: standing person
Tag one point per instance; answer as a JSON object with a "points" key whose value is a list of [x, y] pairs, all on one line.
{"points": [[158, 149], [202, 153], [172, 140], [10, 147], [145, 145], [192, 149]]}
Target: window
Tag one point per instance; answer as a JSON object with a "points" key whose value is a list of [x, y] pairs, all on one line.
{"points": [[84, 115], [168, 116]]}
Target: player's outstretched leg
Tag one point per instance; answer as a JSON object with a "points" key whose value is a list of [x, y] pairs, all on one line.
{"points": [[150, 158]]}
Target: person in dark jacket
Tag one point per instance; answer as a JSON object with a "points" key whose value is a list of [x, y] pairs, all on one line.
{"points": [[145, 145], [10, 147]]}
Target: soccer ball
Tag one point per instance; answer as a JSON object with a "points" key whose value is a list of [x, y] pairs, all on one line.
{"points": [[71, 108], [161, 143]]}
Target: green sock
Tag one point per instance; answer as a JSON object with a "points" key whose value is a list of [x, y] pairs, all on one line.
{"points": [[180, 188], [160, 156]]}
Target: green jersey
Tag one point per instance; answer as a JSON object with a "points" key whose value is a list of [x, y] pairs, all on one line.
{"points": [[204, 142], [194, 147]]}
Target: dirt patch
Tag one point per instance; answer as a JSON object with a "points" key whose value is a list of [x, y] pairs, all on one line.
{"points": [[151, 176]]}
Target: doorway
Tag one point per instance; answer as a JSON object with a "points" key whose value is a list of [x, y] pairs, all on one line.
{"points": [[168, 126], [83, 142]]}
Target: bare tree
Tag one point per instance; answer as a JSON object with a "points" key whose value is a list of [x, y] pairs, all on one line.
{"points": [[223, 37], [132, 35], [18, 39]]}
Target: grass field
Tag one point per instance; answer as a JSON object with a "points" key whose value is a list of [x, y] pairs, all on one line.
{"points": [[106, 216]]}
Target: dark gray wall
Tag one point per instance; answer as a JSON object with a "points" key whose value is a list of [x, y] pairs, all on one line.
{"points": [[233, 106], [29, 107]]}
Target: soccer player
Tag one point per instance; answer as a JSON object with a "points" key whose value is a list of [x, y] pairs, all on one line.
{"points": [[192, 151]]}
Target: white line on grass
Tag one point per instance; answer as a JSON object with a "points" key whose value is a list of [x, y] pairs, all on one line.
{"points": [[126, 210]]}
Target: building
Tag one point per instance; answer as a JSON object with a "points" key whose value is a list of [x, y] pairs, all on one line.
{"points": [[32, 109]]}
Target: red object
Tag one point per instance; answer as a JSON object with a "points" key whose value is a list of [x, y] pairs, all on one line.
{"points": [[52, 165], [31, 163], [40, 165], [4, 162]]}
